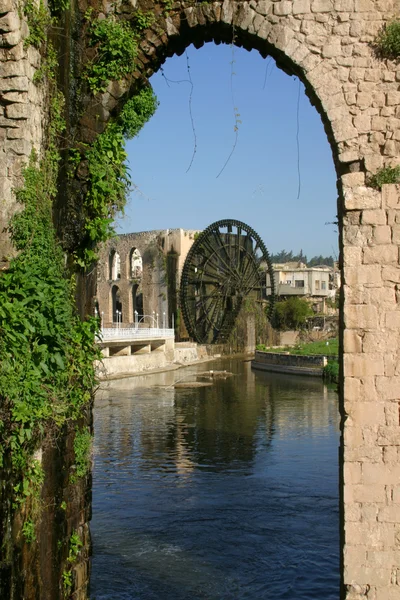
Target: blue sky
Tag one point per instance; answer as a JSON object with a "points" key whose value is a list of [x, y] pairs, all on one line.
{"points": [[259, 185]]}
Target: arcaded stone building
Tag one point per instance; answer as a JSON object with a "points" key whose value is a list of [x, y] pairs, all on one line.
{"points": [[138, 277]]}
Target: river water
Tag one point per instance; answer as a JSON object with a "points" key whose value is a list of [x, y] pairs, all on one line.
{"points": [[226, 492]]}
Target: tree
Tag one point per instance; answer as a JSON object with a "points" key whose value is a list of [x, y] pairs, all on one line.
{"points": [[291, 313]]}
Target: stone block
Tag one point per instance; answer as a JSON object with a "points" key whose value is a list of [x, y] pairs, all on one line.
{"points": [[9, 22], [360, 316], [362, 123], [393, 98], [362, 198], [263, 7], [366, 414], [352, 473], [391, 592], [374, 217], [382, 235], [352, 513], [20, 147], [370, 535], [322, 6], [388, 388], [18, 111], [352, 255], [283, 8], [359, 365], [352, 389], [392, 320], [352, 341], [391, 196], [384, 254], [369, 511], [364, 454], [344, 129], [380, 474], [358, 235], [392, 414], [371, 576], [389, 436], [301, 7], [390, 514], [381, 342], [391, 274], [8, 40]]}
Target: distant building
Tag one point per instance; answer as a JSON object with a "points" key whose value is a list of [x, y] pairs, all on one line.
{"points": [[296, 279], [138, 276]]}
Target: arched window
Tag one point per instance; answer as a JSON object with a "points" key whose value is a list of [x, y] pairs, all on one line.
{"points": [[115, 265], [136, 264], [116, 305], [137, 303]]}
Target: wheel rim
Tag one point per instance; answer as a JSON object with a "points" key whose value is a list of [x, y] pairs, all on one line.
{"points": [[226, 263]]}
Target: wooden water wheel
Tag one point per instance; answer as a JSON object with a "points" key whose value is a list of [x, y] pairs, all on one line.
{"points": [[227, 262]]}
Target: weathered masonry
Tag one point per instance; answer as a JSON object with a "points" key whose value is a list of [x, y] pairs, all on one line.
{"points": [[329, 45]]}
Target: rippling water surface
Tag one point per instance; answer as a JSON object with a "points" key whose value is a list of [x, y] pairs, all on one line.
{"points": [[222, 492]]}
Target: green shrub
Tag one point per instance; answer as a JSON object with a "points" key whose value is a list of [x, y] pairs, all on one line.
{"points": [[291, 313], [116, 51], [82, 449], [388, 40], [331, 371], [385, 175]]}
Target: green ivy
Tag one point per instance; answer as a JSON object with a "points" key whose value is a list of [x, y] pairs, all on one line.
{"points": [[75, 545], [385, 175], [39, 21], [116, 50], [137, 111], [388, 40], [108, 178], [82, 450]]}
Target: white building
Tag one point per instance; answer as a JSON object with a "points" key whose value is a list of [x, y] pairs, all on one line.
{"points": [[296, 279]]}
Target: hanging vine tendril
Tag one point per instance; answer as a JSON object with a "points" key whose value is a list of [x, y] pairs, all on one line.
{"points": [[190, 82], [236, 113], [298, 140], [190, 113]]}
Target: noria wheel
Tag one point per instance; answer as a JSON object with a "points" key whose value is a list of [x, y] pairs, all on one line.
{"points": [[227, 262]]}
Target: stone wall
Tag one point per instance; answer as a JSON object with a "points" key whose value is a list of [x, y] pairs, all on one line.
{"points": [[22, 111], [154, 247], [371, 433], [282, 362]]}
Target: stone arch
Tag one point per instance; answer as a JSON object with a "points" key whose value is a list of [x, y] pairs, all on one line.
{"points": [[135, 264], [137, 303], [116, 305], [114, 265], [328, 45]]}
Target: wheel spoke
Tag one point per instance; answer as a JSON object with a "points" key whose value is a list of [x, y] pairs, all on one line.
{"points": [[221, 269]]}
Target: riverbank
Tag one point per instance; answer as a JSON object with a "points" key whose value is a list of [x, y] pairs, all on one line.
{"points": [[173, 367], [318, 359]]}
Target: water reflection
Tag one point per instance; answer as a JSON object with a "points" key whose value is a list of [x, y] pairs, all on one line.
{"points": [[228, 491]]}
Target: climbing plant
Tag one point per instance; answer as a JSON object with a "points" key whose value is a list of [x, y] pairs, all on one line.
{"points": [[388, 40], [385, 175], [115, 46], [108, 178]]}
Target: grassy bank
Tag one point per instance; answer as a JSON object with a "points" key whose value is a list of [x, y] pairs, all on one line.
{"points": [[328, 348], [324, 347]]}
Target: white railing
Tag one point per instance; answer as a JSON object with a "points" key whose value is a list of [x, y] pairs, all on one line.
{"points": [[135, 333]]}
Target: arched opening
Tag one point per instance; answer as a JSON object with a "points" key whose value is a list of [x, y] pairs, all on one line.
{"points": [[324, 63], [117, 314], [276, 210], [114, 266], [137, 303], [135, 264]]}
